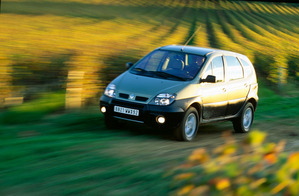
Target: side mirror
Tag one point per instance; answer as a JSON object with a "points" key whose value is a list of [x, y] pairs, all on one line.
{"points": [[209, 79], [129, 65]]}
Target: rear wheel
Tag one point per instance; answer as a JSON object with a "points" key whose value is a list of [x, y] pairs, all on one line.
{"points": [[188, 129], [243, 123]]}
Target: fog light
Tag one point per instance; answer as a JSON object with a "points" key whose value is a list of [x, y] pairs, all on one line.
{"points": [[161, 119], [103, 109]]}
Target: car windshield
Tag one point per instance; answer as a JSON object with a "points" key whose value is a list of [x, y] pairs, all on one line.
{"points": [[169, 65]]}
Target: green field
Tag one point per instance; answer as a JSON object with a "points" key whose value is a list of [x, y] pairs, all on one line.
{"points": [[73, 153], [46, 150]]}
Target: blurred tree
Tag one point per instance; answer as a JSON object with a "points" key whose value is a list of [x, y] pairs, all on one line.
{"points": [[5, 79], [83, 83], [279, 70]]}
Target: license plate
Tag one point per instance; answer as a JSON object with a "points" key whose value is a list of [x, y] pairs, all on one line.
{"points": [[128, 111]]}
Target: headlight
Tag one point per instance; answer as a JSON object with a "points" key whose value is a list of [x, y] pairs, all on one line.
{"points": [[110, 90], [163, 99]]}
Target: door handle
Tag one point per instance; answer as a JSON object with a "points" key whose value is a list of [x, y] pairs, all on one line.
{"points": [[246, 85], [224, 89]]}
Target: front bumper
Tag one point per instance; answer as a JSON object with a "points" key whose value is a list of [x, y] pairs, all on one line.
{"points": [[148, 114]]}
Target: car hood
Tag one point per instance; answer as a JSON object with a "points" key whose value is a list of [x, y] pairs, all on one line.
{"points": [[144, 86]]}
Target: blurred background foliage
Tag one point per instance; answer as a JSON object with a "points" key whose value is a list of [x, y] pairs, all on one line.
{"points": [[61, 54], [251, 167], [43, 41]]}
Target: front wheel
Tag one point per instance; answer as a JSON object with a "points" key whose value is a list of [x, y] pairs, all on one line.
{"points": [[243, 123], [188, 129]]}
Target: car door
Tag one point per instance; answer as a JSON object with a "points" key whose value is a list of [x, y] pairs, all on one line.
{"points": [[237, 86], [214, 96]]}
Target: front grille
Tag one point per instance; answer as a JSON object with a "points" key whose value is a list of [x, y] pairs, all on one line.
{"points": [[123, 95], [128, 104], [137, 98]]}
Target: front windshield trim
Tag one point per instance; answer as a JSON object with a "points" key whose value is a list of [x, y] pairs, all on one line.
{"points": [[178, 65], [168, 75]]}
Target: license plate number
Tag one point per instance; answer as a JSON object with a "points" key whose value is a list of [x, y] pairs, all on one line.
{"points": [[124, 110]]}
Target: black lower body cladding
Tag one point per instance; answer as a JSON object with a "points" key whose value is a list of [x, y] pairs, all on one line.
{"points": [[147, 114]]}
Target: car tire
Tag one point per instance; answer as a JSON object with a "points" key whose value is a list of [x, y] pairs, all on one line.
{"points": [[189, 126], [243, 123]]}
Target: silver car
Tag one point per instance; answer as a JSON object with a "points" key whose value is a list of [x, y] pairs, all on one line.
{"points": [[180, 87]]}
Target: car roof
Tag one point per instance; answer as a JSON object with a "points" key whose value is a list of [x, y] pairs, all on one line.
{"points": [[197, 50]]}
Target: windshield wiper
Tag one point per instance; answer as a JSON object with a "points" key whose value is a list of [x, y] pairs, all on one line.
{"points": [[142, 72], [140, 69], [168, 75]]}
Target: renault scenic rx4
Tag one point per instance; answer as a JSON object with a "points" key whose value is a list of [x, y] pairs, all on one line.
{"points": [[180, 87]]}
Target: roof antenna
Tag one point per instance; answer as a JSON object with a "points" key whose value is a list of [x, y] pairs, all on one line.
{"points": [[190, 38]]}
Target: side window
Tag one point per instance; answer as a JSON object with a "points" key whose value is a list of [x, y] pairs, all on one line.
{"points": [[247, 68], [218, 69], [234, 68], [208, 71]]}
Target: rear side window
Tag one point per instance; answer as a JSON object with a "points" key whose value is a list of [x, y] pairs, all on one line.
{"points": [[234, 68], [246, 67]]}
